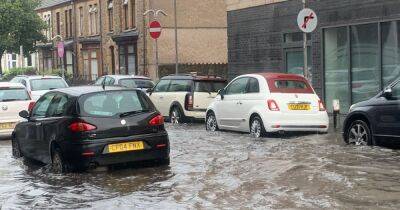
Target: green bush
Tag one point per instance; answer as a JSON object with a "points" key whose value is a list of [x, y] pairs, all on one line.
{"points": [[58, 72], [18, 71]]}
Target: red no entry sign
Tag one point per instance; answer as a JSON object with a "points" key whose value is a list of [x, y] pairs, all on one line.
{"points": [[155, 29]]}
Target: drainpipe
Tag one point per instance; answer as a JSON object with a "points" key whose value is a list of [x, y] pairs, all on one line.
{"points": [[145, 72], [75, 70], [101, 37]]}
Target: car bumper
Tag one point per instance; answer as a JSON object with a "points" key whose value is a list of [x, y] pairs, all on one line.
{"points": [[274, 122], [6, 133], [93, 152], [196, 114]]}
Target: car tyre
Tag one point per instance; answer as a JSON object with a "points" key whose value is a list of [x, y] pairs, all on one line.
{"points": [[176, 116], [58, 164], [16, 150], [359, 133], [211, 122], [257, 129]]}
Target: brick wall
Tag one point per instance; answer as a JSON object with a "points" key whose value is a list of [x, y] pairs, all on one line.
{"points": [[255, 34]]}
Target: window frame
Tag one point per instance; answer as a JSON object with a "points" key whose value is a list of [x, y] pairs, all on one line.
{"points": [[158, 83], [230, 84]]}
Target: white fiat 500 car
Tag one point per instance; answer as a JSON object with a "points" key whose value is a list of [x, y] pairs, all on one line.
{"points": [[268, 102], [39, 85], [13, 99]]}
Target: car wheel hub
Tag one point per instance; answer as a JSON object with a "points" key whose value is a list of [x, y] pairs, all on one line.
{"points": [[175, 116], [256, 129], [358, 135], [211, 123]]}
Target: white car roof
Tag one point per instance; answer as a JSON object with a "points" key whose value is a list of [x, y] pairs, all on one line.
{"points": [[40, 77], [12, 85], [127, 77]]}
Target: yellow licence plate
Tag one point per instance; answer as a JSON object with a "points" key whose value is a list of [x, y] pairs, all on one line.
{"points": [[299, 106], [6, 126], [124, 147]]}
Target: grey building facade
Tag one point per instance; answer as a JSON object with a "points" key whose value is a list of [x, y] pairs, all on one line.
{"points": [[353, 54]]}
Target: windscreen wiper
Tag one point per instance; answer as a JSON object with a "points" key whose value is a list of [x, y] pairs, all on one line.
{"points": [[5, 100], [126, 114]]}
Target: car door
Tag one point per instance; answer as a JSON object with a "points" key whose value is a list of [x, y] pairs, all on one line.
{"points": [[247, 101], [31, 145], [387, 114], [227, 112], [52, 125], [158, 96]]}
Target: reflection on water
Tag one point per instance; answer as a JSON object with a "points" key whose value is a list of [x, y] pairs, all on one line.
{"points": [[219, 170]]}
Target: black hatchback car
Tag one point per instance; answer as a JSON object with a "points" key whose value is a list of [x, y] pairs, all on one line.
{"points": [[375, 119], [84, 127]]}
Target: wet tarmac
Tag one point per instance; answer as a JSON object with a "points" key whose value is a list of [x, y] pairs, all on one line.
{"points": [[221, 170]]}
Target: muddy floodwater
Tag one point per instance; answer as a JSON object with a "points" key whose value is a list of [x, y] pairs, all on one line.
{"points": [[221, 170]]}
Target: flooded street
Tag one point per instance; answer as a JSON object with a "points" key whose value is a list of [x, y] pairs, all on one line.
{"points": [[219, 170]]}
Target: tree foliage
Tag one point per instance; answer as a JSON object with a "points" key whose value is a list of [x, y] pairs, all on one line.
{"points": [[20, 25]]}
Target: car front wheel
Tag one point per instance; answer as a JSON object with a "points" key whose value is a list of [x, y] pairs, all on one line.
{"points": [[257, 129], [359, 134], [211, 122]]}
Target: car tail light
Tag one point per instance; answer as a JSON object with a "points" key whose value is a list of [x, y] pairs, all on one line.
{"points": [[157, 120], [272, 105], [81, 127], [189, 101], [321, 106], [30, 106]]}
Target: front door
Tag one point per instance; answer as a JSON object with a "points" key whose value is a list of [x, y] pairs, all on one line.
{"points": [[227, 111], [388, 114], [33, 145]]}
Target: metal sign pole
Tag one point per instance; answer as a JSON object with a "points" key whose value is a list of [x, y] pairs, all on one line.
{"points": [[176, 40], [306, 75], [157, 73]]}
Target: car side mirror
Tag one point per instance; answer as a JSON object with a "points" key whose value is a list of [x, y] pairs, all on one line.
{"points": [[24, 114], [149, 90], [387, 93], [221, 93]]}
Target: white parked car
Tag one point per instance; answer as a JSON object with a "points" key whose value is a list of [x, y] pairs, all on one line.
{"points": [[13, 99], [129, 81], [39, 85], [181, 98], [268, 102]]}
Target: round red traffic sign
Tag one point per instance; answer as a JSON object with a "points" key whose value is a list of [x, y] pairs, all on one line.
{"points": [[155, 29]]}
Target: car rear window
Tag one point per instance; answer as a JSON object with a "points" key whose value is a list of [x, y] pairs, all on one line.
{"points": [[13, 94], [289, 86], [47, 84], [111, 103], [208, 86], [136, 83]]}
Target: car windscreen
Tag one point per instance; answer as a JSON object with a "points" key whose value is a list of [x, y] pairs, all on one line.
{"points": [[113, 103], [13, 94], [47, 84], [136, 83], [208, 86], [289, 86]]}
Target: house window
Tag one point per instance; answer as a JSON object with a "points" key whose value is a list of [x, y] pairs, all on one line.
{"points": [[58, 23], [125, 13], [70, 21], [127, 59], [90, 64], [66, 20], [80, 21], [112, 60], [110, 16], [47, 19], [133, 13], [93, 19], [295, 37]]}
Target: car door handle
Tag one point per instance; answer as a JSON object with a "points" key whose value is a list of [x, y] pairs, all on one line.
{"points": [[161, 97], [239, 103], [38, 124]]}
